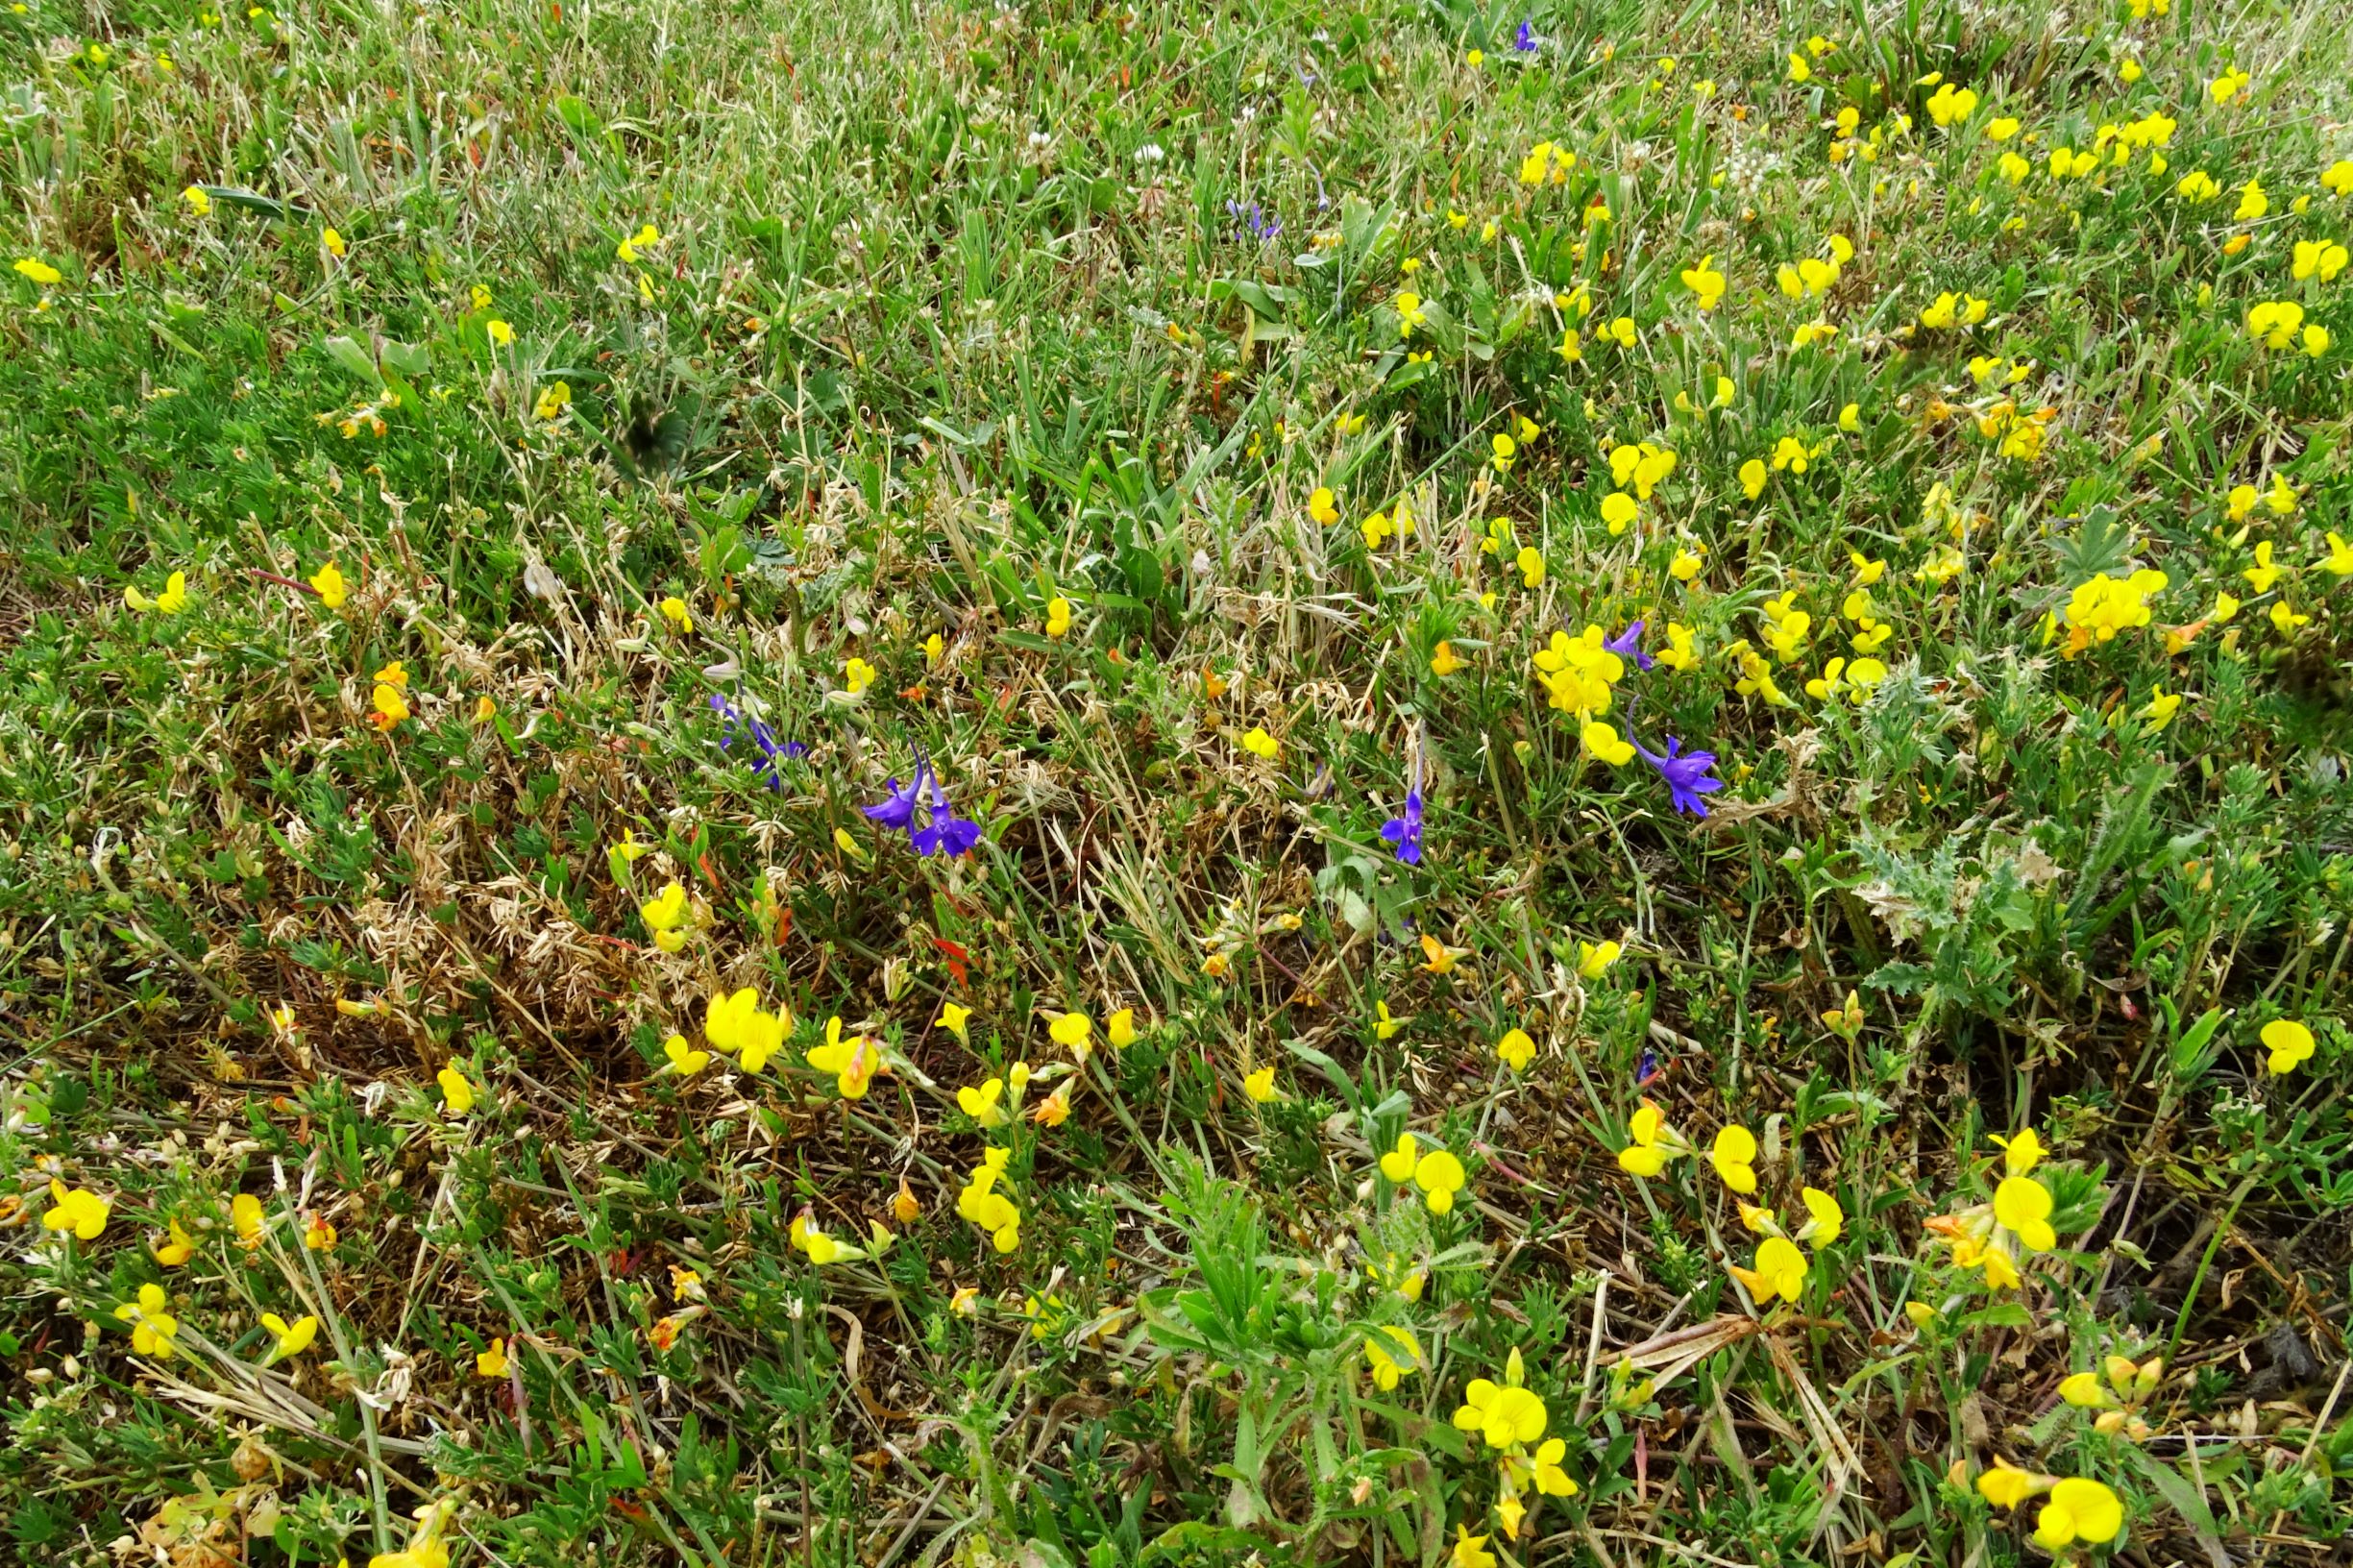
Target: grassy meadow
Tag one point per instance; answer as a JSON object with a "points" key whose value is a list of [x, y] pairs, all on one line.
{"points": [[1210, 784]]}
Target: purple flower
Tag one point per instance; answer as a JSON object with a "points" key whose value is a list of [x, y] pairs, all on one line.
{"points": [[1403, 832], [1686, 776], [943, 832], [1255, 221], [1627, 645], [1525, 39], [771, 751], [897, 809]]}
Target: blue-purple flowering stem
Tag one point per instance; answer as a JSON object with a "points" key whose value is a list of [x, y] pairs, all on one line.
{"points": [[1525, 39], [942, 833], [1403, 832], [1686, 774], [770, 751]]}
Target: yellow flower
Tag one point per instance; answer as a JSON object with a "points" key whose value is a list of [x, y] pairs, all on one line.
{"points": [[198, 201], [673, 610], [1706, 281], [2021, 1205], [2005, 1486], [2084, 1391], [1687, 562], [853, 1061], [2323, 258], [500, 333], [2229, 85], [1071, 1031], [455, 1089], [662, 915], [684, 1059], [2002, 130], [1323, 507], [1505, 1415], [245, 1217], [1516, 1049], [1410, 306], [1594, 959], [1799, 69], [1652, 1143], [2290, 1043], [1055, 1108], [1258, 743], [1824, 1220], [491, 1362], [328, 581], [2284, 618], [177, 1249], [1618, 510], [2020, 1154], [953, 1019], [1603, 742], [1780, 1271], [1531, 563], [1384, 1026], [292, 1338], [857, 674], [1260, 1085], [984, 1104], [2253, 204], [78, 1209], [2339, 561], [39, 271], [1440, 1176], [1752, 477], [152, 1325], [1469, 1550], [1121, 1029], [331, 242], [1391, 1353], [1439, 958], [1444, 661], [1948, 106], [1058, 617], [1734, 1156], [2079, 1510]]}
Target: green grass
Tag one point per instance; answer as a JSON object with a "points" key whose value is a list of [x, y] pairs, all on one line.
{"points": [[957, 312]]}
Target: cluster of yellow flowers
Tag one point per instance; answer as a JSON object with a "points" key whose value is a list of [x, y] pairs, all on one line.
{"points": [[980, 1201], [1780, 1267], [1991, 1235], [1436, 1172], [1510, 1418]]}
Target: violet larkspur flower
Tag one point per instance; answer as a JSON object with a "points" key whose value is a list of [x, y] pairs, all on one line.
{"points": [[1255, 220], [897, 809], [943, 832], [1403, 832], [1627, 645], [771, 751], [1686, 774], [1525, 39]]}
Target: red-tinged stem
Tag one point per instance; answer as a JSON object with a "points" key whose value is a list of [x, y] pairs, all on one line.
{"points": [[295, 583]]}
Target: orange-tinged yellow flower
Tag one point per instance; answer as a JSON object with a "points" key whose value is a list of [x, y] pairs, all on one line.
{"points": [[1780, 1271], [176, 1248], [853, 1061]]}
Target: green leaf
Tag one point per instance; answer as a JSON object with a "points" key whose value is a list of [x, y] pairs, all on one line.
{"points": [[347, 352]]}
